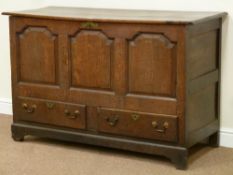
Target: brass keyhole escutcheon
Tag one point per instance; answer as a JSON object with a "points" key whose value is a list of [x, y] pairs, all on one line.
{"points": [[89, 25], [50, 105], [155, 125], [135, 117]]}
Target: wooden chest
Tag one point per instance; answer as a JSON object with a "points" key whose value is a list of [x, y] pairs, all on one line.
{"points": [[144, 81]]}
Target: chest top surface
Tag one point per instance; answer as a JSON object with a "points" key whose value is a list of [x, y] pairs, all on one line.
{"points": [[119, 15]]}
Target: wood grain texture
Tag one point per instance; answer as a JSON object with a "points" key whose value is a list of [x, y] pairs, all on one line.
{"points": [[91, 56], [37, 54], [203, 57], [152, 65], [115, 15], [119, 96], [177, 154], [202, 107], [202, 80], [117, 78], [136, 124], [50, 112]]}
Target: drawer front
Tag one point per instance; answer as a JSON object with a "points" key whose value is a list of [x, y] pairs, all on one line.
{"points": [[137, 124], [49, 112]]}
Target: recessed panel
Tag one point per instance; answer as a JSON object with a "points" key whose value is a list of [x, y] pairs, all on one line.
{"points": [[37, 55], [91, 54], [152, 65], [203, 55]]}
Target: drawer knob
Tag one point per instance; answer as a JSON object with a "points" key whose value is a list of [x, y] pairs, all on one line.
{"points": [[29, 109], [71, 115], [155, 125], [112, 121]]}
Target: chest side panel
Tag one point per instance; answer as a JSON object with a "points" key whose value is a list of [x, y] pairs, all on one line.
{"points": [[203, 75]]}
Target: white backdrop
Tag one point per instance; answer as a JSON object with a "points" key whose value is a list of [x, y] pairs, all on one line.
{"points": [[197, 5]]}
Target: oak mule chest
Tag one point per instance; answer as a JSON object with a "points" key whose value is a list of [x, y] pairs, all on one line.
{"points": [[144, 81]]}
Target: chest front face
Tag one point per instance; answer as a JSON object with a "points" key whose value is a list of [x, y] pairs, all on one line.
{"points": [[122, 66]]}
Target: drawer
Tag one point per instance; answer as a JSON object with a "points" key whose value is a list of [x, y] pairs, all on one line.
{"points": [[138, 124], [50, 112]]}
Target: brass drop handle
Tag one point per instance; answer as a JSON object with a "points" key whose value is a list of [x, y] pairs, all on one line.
{"points": [[71, 115], [112, 121], [29, 109], [155, 125]]}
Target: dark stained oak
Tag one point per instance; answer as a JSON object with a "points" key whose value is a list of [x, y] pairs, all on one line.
{"points": [[145, 74], [177, 154], [92, 50], [119, 15], [42, 57], [144, 81], [142, 125], [55, 113]]}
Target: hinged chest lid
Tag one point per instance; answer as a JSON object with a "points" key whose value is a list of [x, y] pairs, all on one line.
{"points": [[114, 15]]}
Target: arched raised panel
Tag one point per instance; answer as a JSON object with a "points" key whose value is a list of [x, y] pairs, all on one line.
{"points": [[152, 65], [37, 55], [91, 54]]}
